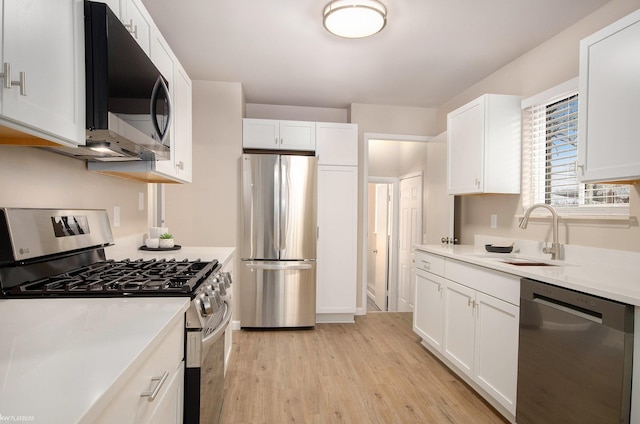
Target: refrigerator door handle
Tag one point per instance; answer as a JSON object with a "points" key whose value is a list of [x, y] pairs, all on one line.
{"points": [[273, 266], [284, 203], [277, 206]]}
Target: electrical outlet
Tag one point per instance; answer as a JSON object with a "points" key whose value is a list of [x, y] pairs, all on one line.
{"points": [[116, 216], [494, 220]]}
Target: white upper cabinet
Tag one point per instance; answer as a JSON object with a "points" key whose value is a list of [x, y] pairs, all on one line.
{"points": [[182, 97], [136, 19], [483, 139], [114, 5], [178, 166], [609, 107], [272, 134], [337, 144], [42, 45]]}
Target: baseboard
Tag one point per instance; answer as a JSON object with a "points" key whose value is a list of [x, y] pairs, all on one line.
{"points": [[335, 319]]}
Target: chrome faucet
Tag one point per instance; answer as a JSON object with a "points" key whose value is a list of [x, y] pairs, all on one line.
{"points": [[555, 246]]}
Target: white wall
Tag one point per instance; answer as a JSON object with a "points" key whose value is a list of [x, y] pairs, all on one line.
{"points": [[547, 65], [205, 212], [36, 178], [296, 113]]}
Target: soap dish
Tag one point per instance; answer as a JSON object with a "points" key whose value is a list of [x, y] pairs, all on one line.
{"points": [[498, 249]]}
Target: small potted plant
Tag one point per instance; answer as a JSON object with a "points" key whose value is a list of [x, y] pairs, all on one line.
{"points": [[166, 241]]}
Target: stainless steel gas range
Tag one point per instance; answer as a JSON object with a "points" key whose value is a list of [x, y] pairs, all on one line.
{"points": [[60, 253]]}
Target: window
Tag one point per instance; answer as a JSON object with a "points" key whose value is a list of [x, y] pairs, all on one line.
{"points": [[550, 141]]}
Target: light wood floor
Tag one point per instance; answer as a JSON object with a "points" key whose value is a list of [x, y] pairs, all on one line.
{"points": [[373, 371]]}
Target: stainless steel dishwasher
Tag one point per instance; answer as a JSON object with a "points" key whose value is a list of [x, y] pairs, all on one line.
{"points": [[574, 359]]}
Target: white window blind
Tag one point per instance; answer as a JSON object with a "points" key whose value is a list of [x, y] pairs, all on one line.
{"points": [[550, 137]]}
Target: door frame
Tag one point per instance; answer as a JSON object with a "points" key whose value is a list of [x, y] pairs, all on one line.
{"points": [[392, 295], [367, 137]]}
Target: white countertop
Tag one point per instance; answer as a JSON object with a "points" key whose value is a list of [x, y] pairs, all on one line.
{"points": [[603, 276], [61, 360]]}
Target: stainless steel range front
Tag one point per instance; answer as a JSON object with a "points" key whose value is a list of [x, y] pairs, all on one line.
{"points": [[60, 253]]}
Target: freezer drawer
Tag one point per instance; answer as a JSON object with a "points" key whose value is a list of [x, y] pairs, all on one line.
{"points": [[275, 294]]}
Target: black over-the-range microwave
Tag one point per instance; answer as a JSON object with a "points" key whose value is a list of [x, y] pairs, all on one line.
{"points": [[128, 100]]}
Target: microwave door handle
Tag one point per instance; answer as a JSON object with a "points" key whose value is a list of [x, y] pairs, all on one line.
{"points": [[160, 85]]}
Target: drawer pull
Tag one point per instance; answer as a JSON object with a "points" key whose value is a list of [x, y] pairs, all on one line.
{"points": [[151, 394], [426, 265]]}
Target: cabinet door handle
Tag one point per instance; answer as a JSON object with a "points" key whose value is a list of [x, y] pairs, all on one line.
{"points": [[133, 29], [180, 166], [426, 265], [8, 83], [151, 394]]}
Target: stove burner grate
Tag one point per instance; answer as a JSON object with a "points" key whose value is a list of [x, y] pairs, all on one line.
{"points": [[125, 277]]}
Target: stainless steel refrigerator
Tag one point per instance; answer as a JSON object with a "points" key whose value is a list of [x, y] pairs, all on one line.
{"points": [[278, 241]]}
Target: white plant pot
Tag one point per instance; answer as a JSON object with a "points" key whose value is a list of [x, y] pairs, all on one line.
{"points": [[166, 243], [152, 243]]}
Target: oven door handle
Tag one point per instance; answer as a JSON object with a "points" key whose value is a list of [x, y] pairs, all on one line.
{"points": [[221, 328]]}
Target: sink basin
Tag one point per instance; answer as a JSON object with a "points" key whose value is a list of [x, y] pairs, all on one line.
{"points": [[510, 259], [526, 262]]}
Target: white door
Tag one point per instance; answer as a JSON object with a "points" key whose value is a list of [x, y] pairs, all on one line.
{"points": [[371, 240], [410, 234], [382, 245]]}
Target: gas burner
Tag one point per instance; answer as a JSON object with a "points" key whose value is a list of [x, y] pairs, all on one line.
{"points": [[126, 277]]}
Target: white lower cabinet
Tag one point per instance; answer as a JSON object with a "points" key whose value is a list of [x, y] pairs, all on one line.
{"points": [[428, 311], [153, 393], [459, 326], [473, 331], [496, 349]]}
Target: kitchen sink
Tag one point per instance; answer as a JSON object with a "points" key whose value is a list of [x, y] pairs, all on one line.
{"points": [[511, 259], [525, 262]]}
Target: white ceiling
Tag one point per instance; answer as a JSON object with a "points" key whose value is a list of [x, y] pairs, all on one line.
{"points": [[430, 50]]}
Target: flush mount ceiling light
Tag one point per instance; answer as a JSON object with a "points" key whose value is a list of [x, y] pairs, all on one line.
{"points": [[354, 18]]}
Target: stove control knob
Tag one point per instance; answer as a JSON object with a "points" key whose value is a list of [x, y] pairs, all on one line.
{"points": [[226, 278], [222, 289], [209, 288], [217, 299], [205, 304]]}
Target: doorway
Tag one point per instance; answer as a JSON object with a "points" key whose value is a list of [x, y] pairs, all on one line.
{"points": [[389, 161], [380, 234]]}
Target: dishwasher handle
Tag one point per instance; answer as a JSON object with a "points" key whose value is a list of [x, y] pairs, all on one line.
{"points": [[607, 312]]}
